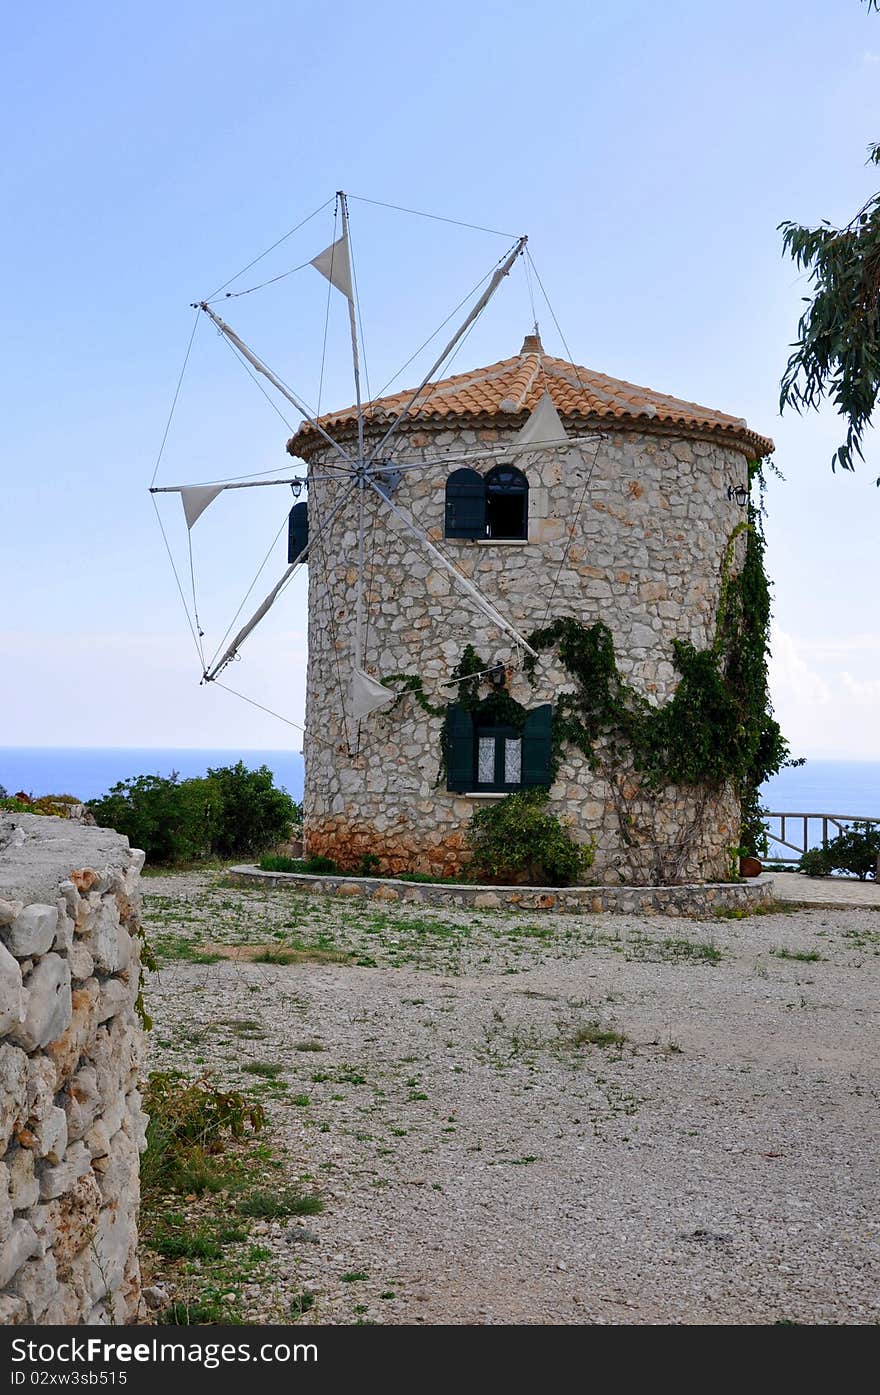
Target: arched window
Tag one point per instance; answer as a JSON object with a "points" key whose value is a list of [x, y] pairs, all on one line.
{"points": [[465, 505], [507, 503], [493, 506]]}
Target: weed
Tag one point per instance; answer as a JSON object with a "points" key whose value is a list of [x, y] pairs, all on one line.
{"points": [[263, 1068], [804, 956], [301, 1304], [354, 1276], [594, 1034], [273, 1205]]}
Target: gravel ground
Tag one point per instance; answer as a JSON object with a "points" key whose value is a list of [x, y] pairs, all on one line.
{"points": [[484, 1159]]}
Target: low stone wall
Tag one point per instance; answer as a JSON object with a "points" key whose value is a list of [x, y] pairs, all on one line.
{"points": [[71, 1124], [695, 899]]}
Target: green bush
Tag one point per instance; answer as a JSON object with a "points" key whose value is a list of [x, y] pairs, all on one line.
{"points": [[173, 820], [856, 850], [814, 863], [516, 839], [253, 813], [231, 811]]}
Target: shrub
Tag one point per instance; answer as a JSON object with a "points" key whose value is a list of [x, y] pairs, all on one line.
{"points": [[173, 820], [814, 863], [253, 813], [190, 1121], [231, 811], [855, 850], [516, 838]]}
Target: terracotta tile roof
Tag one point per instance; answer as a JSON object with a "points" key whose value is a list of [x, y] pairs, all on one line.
{"points": [[511, 388]]}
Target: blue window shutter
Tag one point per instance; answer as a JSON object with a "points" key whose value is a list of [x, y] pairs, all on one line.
{"points": [[538, 746], [465, 505], [297, 531], [459, 748]]}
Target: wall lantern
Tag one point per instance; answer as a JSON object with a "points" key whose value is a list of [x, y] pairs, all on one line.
{"points": [[739, 492]]}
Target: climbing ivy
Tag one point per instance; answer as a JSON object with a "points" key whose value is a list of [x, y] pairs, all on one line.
{"points": [[717, 726]]}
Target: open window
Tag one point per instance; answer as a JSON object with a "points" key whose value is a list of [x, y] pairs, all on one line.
{"points": [[507, 503], [487, 757], [493, 506]]}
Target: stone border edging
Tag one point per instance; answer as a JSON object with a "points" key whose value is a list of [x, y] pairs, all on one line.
{"points": [[692, 899]]}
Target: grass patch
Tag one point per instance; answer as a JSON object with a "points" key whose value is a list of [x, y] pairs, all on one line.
{"points": [[803, 956], [594, 1034], [308, 1046], [285, 955], [266, 1205], [354, 1276], [266, 1069]]}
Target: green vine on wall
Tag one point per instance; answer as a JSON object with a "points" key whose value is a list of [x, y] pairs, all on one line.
{"points": [[716, 728]]}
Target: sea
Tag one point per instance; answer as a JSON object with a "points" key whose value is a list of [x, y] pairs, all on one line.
{"points": [[88, 772], [820, 787]]}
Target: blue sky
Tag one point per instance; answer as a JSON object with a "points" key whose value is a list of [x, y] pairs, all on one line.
{"points": [[649, 151]]}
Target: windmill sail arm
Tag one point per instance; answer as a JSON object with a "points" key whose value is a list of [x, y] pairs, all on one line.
{"points": [[251, 624], [477, 310], [276, 382], [232, 649], [464, 583]]}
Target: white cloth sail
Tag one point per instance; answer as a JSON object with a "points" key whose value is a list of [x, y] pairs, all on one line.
{"points": [[335, 263], [367, 695], [544, 426], [196, 498]]}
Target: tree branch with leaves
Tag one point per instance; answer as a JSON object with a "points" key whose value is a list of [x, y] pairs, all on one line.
{"points": [[837, 352]]}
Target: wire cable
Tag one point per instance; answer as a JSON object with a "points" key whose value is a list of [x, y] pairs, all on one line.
{"points": [[436, 217], [232, 295], [177, 579], [324, 205], [174, 400]]}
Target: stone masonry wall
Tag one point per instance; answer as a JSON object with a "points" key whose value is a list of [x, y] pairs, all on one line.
{"points": [[71, 1124], [646, 559]]}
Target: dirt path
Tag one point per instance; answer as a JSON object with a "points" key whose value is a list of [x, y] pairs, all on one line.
{"points": [[488, 1156]]}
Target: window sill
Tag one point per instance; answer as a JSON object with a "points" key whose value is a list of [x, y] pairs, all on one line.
{"points": [[502, 542], [487, 794]]}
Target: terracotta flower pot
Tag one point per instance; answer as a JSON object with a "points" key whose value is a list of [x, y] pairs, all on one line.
{"points": [[750, 867]]}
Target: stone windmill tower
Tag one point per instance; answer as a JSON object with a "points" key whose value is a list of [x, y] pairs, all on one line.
{"points": [[554, 490], [447, 530]]}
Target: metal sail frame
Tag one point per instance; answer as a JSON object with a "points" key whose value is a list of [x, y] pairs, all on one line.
{"points": [[365, 469]]}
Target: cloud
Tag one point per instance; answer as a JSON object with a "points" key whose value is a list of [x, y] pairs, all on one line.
{"points": [[822, 708]]}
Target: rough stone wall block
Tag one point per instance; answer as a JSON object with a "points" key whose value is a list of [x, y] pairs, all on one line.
{"points": [[71, 1123]]}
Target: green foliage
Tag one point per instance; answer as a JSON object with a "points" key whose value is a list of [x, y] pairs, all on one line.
{"points": [[837, 352], [855, 850], [231, 811], [273, 1205], [814, 863], [716, 727], [515, 837], [253, 814], [368, 865], [190, 1121], [173, 820]]}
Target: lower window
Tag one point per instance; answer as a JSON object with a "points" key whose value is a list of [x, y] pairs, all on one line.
{"points": [[483, 756]]}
